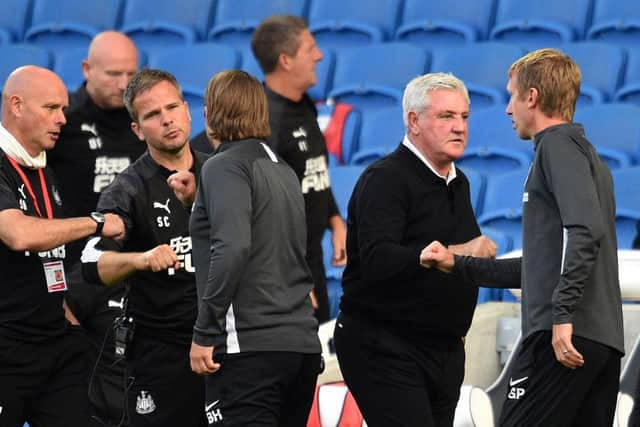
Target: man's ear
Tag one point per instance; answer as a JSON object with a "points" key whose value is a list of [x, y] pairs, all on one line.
{"points": [[16, 105], [412, 123], [85, 69], [532, 97], [284, 61], [135, 127]]}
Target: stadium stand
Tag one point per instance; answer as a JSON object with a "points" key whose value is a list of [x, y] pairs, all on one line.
{"points": [[602, 68], [374, 76], [629, 92], [13, 24], [235, 20], [483, 68], [493, 145], [345, 23], [444, 23], [162, 23], [67, 63], [381, 132], [476, 188], [70, 23], [193, 65], [544, 23], [16, 55], [616, 21], [197, 119], [626, 182], [614, 129], [502, 208], [343, 179]]}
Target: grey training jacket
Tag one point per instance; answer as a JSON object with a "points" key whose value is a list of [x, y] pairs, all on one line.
{"points": [[249, 237]]}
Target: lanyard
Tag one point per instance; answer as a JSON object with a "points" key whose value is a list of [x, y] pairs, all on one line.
{"points": [[27, 184]]}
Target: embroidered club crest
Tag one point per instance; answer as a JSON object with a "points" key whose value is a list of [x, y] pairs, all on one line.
{"points": [[144, 403]]}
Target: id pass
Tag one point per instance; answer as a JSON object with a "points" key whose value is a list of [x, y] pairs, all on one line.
{"points": [[54, 273]]}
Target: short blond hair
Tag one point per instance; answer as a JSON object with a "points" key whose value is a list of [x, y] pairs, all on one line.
{"points": [[554, 75], [236, 107]]}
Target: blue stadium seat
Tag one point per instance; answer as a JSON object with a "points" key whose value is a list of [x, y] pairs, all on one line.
{"points": [[505, 244], [502, 207], [630, 90], [614, 129], [197, 119], [342, 23], [626, 182], [70, 23], [616, 21], [350, 132], [17, 55], [374, 76], [161, 23], [482, 66], [381, 132], [334, 291], [493, 145], [343, 179], [476, 188], [249, 63], [443, 23], [324, 72], [13, 20], [541, 23], [235, 20], [67, 64], [602, 68], [503, 241], [194, 65]]}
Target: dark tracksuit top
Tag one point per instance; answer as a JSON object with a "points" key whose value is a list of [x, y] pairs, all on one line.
{"points": [[297, 138], [95, 145], [398, 207], [248, 232], [569, 265], [28, 312], [163, 303]]}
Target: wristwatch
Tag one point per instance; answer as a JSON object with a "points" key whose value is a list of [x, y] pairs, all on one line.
{"points": [[99, 219]]}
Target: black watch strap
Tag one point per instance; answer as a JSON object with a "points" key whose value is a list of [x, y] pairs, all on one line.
{"points": [[99, 220]]}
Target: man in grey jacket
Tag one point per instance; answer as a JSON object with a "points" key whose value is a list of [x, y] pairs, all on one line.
{"points": [[255, 337], [566, 371]]}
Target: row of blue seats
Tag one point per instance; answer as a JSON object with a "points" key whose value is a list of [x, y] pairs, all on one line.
{"points": [[493, 145], [333, 22], [362, 76]]}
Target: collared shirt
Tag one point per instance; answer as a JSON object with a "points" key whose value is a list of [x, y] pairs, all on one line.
{"points": [[452, 173]]}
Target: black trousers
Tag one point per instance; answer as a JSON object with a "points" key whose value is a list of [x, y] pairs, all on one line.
{"points": [[163, 389], [544, 393], [45, 383], [270, 389], [319, 277], [107, 390], [397, 381]]}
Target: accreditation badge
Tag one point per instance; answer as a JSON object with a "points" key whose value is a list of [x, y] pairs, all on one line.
{"points": [[54, 273]]}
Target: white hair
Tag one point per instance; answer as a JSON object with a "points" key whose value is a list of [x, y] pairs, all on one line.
{"points": [[416, 93]]}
